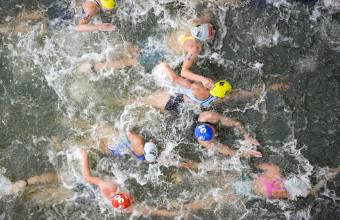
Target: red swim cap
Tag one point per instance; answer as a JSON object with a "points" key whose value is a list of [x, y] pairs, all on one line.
{"points": [[121, 201]]}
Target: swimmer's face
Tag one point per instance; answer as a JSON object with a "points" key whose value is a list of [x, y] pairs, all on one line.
{"points": [[106, 10], [214, 131], [211, 31]]}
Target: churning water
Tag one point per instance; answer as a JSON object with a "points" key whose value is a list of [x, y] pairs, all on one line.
{"points": [[44, 97]]}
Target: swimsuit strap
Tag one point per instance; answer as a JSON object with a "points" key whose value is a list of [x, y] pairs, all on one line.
{"points": [[269, 185], [198, 123], [82, 7], [141, 158], [183, 40]]}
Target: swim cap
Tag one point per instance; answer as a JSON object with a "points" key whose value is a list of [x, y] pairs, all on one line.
{"points": [[200, 32], [121, 201], [109, 4], [292, 181], [150, 151], [221, 89], [296, 186], [204, 133]]}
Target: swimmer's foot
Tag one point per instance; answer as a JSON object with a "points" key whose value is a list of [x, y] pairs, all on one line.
{"points": [[160, 68], [332, 173], [176, 178], [56, 144], [278, 86], [82, 68]]}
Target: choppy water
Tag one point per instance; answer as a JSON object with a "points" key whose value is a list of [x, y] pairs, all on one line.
{"points": [[43, 95]]}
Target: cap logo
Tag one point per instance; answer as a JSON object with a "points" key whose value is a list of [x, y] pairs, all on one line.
{"points": [[153, 152], [221, 83], [119, 199]]}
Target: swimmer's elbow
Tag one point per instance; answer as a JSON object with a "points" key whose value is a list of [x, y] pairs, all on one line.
{"points": [[175, 79], [78, 29]]}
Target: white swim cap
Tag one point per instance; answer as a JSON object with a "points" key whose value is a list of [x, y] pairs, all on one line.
{"points": [[150, 151], [200, 32], [292, 181], [296, 186]]}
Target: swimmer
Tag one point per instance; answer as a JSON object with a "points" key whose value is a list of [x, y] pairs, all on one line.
{"points": [[40, 21], [118, 199], [189, 41], [270, 184], [91, 8], [49, 186], [195, 92], [147, 54], [121, 60], [142, 149], [205, 132], [191, 45], [25, 22]]}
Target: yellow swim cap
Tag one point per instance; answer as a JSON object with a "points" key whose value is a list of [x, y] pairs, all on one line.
{"points": [[221, 89], [109, 4]]}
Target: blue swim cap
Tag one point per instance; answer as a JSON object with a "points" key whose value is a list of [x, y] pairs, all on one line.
{"points": [[204, 133]]}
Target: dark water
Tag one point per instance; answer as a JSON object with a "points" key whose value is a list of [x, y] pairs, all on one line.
{"points": [[42, 95]]}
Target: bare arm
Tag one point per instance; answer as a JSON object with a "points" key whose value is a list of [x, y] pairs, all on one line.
{"points": [[91, 9], [174, 77], [150, 210], [86, 170], [187, 73], [45, 178], [267, 166], [222, 148], [233, 123]]}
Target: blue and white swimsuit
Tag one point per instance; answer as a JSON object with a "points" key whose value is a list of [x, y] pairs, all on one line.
{"points": [[82, 7]]}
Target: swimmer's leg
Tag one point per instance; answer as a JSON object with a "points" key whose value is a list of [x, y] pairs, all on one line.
{"points": [[115, 64], [45, 178], [329, 176], [238, 94], [157, 100], [31, 15]]}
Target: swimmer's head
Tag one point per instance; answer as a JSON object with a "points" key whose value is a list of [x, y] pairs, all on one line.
{"points": [[203, 31], [296, 186], [121, 201], [221, 89], [108, 5], [150, 151], [205, 133]]}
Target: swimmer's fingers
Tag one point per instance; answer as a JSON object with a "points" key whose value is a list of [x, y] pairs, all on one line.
{"points": [[254, 153], [83, 153], [106, 27], [208, 83], [332, 173], [252, 141]]}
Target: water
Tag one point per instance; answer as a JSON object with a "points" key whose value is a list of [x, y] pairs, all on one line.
{"points": [[43, 96]]}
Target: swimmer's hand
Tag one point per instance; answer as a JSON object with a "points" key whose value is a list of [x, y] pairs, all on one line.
{"points": [[252, 153], [252, 140], [84, 153], [106, 27], [207, 82]]}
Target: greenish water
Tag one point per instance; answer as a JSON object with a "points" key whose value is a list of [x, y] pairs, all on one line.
{"points": [[43, 95]]}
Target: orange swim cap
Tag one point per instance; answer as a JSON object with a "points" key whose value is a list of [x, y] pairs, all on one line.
{"points": [[121, 201]]}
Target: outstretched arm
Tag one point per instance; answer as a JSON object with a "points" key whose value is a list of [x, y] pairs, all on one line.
{"points": [[147, 210], [233, 123], [187, 73], [222, 148], [330, 175], [91, 9], [268, 167], [86, 170], [45, 178], [174, 77]]}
